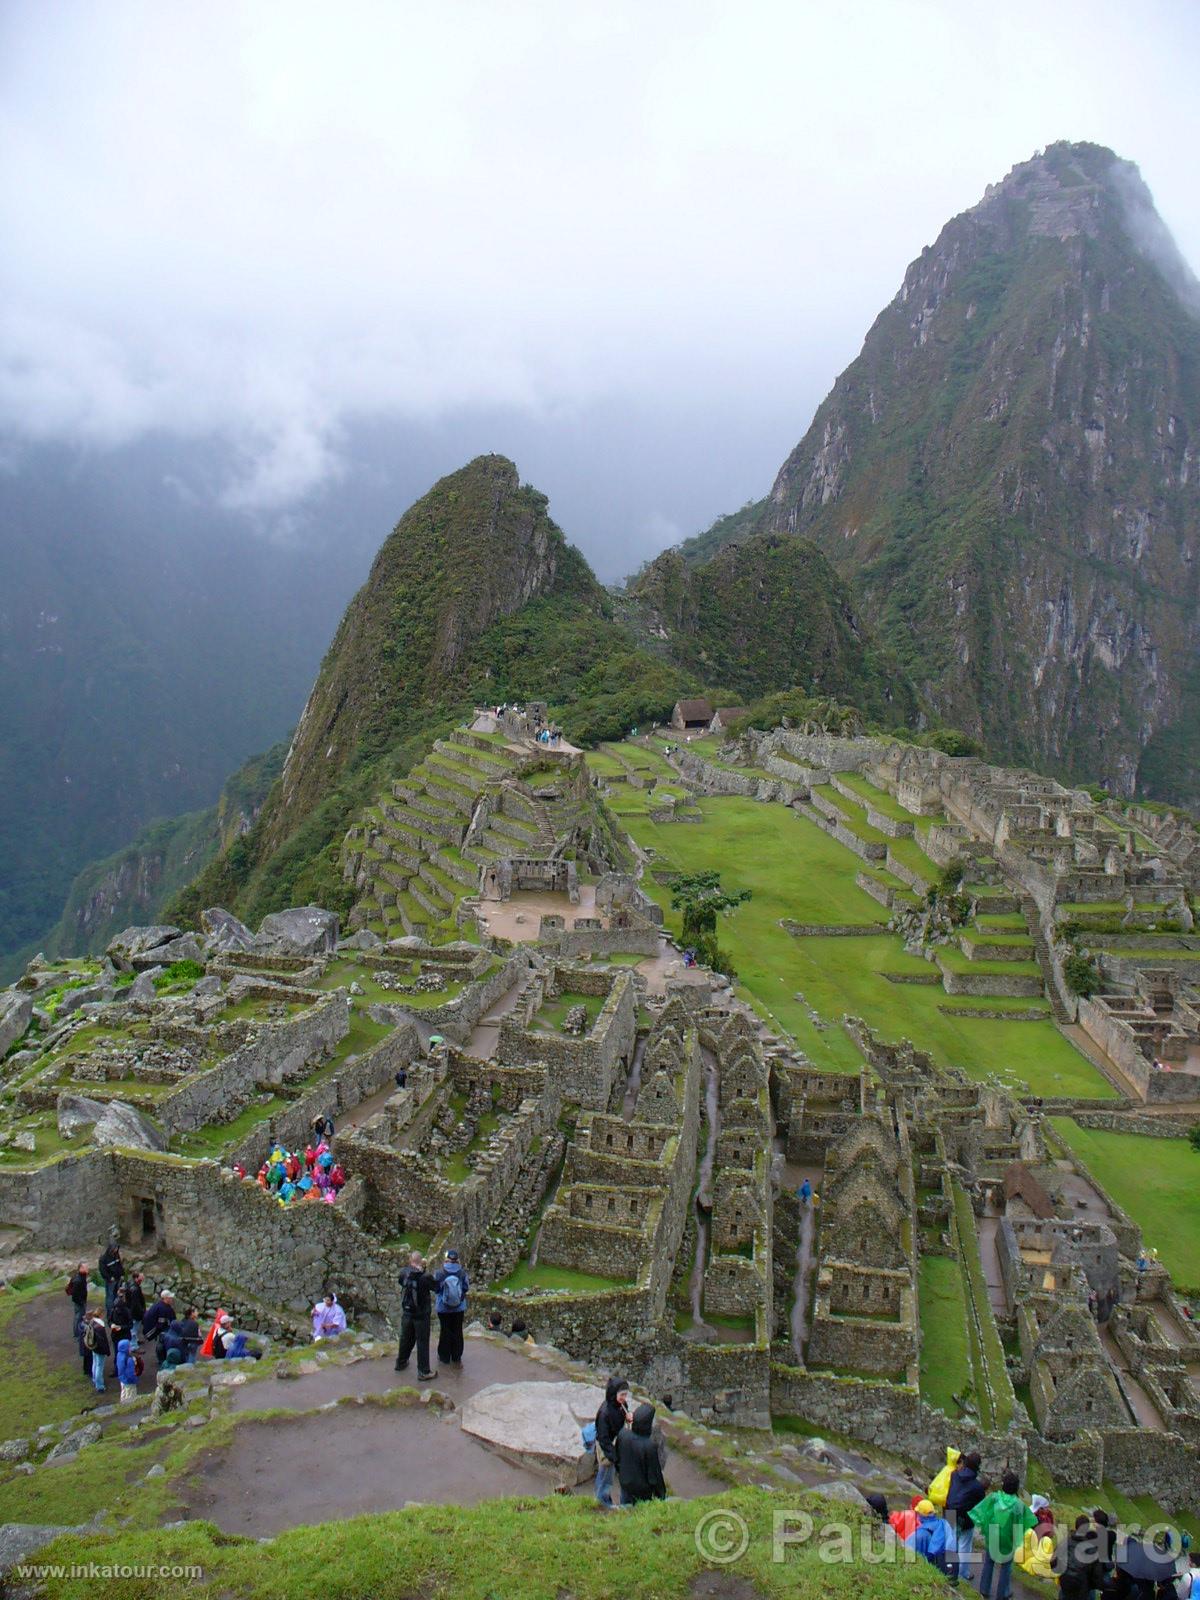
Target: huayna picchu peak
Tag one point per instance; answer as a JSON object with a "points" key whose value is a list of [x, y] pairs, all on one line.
{"points": [[1008, 477]]}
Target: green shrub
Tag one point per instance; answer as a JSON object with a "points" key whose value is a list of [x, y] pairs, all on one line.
{"points": [[1081, 974]]}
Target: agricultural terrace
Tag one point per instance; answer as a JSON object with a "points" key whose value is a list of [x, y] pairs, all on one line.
{"points": [[797, 871], [1157, 1181]]}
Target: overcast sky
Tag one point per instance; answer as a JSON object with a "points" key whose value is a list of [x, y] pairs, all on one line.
{"points": [[594, 231]]}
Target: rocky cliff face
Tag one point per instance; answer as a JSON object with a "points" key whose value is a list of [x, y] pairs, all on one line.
{"points": [[764, 614], [1009, 475]]}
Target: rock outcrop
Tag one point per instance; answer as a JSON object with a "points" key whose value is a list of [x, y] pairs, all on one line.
{"points": [[536, 1425], [113, 1123], [16, 1013], [301, 931]]}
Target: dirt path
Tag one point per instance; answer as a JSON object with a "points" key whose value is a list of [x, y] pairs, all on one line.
{"points": [[989, 1257], [1144, 1411], [800, 1284], [370, 1458], [485, 1037]]}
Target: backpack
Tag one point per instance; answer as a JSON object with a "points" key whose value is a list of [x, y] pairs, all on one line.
{"points": [[139, 1366], [452, 1291], [408, 1296], [70, 1285], [89, 1335]]}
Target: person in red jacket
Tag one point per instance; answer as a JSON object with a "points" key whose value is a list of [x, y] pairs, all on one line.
{"points": [[905, 1522]]}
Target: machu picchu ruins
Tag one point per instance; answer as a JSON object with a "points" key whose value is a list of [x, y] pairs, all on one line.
{"points": [[762, 1212]]}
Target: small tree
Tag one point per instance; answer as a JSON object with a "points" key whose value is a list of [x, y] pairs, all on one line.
{"points": [[1081, 974], [700, 897], [1194, 1137]]}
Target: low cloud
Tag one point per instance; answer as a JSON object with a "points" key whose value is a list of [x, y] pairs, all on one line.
{"points": [[265, 224]]}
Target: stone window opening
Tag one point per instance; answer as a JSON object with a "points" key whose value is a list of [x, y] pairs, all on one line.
{"points": [[147, 1215]]}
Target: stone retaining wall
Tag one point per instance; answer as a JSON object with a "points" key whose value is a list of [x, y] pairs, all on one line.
{"points": [[1127, 1122], [574, 943], [345, 1089], [889, 1415], [282, 1052], [286, 1255]]}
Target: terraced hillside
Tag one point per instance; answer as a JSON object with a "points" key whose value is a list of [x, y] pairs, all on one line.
{"points": [[474, 800], [813, 945]]}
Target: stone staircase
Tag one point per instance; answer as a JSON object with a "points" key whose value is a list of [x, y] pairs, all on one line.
{"points": [[1045, 958]]}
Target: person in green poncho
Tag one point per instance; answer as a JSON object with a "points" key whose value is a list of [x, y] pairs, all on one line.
{"points": [[1002, 1519]]}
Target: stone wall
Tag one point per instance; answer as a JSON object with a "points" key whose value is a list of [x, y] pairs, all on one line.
{"points": [[231, 1229], [72, 1200], [1130, 1122], [577, 942], [456, 1019], [1139, 1461], [345, 1089], [406, 1187], [280, 1053], [891, 1416], [584, 1069]]}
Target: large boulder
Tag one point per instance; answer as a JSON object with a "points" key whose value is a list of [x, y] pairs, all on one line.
{"points": [[77, 1112], [16, 1013], [88, 994], [302, 931], [142, 990], [138, 942], [364, 939], [125, 1126], [536, 1425], [186, 948], [112, 1123], [67, 1449], [223, 932], [20, 1540]]}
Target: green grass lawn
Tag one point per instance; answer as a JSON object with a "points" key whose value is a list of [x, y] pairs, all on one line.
{"points": [[879, 799], [31, 1390], [945, 1349], [545, 1276], [909, 853], [1157, 1181], [795, 870], [552, 1013]]}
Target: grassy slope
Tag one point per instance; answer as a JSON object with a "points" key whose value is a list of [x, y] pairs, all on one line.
{"points": [[796, 870], [537, 1549], [1157, 1181]]}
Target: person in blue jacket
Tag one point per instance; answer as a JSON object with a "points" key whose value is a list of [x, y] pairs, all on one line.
{"points": [[126, 1371], [930, 1536], [452, 1285]]}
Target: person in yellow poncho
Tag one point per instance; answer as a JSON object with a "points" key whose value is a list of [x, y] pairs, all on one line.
{"points": [[1036, 1555], [940, 1487]]}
